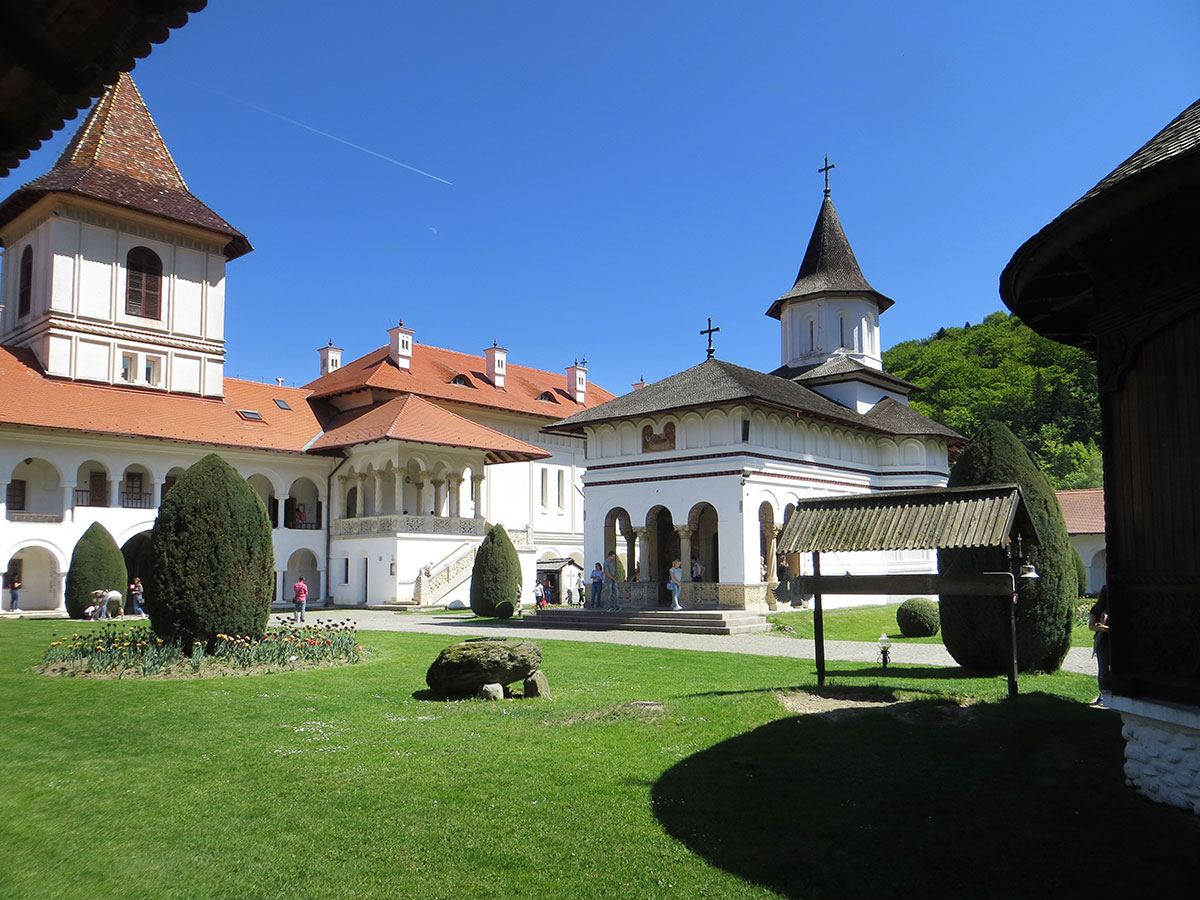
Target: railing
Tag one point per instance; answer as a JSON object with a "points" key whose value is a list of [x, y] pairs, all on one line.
{"points": [[14, 515], [83, 497], [136, 500], [410, 525], [438, 579]]}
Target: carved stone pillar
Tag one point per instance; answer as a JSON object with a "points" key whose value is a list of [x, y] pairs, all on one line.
{"points": [[422, 497], [769, 534], [360, 495], [630, 551], [456, 482], [642, 534], [378, 496], [438, 485], [477, 484], [685, 533], [399, 492]]}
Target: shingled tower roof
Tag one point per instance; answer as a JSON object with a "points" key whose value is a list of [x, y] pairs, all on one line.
{"points": [[118, 156], [829, 267]]}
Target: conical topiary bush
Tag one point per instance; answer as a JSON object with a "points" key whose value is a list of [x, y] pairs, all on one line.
{"points": [[96, 564], [496, 576]]}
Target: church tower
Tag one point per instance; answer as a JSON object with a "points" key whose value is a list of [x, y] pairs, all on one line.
{"points": [[831, 312], [113, 271]]}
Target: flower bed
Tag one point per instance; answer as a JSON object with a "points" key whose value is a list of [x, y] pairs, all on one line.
{"points": [[118, 652]]}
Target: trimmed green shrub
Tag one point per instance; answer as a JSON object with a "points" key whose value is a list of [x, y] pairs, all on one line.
{"points": [[1081, 573], [496, 576], [96, 563], [975, 629], [918, 617], [213, 568]]}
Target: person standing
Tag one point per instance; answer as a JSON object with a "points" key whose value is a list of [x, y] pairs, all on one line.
{"points": [[580, 588], [135, 597], [14, 596], [539, 595], [610, 595], [1101, 648], [597, 587], [299, 599], [675, 584]]}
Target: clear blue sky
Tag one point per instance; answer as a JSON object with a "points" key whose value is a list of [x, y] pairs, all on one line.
{"points": [[623, 170]]}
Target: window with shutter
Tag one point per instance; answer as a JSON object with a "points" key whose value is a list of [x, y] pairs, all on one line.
{"points": [[143, 284]]}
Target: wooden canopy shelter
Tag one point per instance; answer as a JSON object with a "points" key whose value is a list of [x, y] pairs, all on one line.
{"points": [[933, 519]]}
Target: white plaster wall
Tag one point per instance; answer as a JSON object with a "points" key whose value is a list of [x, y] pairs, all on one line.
{"points": [[1089, 547], [1162, 750], [861, 327]]}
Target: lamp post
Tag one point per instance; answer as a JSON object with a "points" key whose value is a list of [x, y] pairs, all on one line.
{"points": [[1027, 571], [885, 649]]}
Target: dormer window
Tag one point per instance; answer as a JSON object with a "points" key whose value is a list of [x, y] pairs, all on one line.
{"points": [[461, 379], [143, 283], [25, 283], [547, 397]]}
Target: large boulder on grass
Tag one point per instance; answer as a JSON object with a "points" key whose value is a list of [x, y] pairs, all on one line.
{"points": [[464, 668]]}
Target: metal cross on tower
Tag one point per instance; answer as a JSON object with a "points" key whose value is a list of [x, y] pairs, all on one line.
{"points": [[710, 331], [825, 170]]}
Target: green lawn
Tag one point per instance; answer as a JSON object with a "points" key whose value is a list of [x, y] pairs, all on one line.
{"points": [[349, 783], [866, 623]]}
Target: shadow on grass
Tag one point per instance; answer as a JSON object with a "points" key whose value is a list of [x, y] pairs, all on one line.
{"points": [[1007, 799]]}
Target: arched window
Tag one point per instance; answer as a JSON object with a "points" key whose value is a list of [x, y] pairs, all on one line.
{"points": [[25, 282], [143, 285]]}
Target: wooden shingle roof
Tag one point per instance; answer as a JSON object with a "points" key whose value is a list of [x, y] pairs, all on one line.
{"points": [[934, 519]]}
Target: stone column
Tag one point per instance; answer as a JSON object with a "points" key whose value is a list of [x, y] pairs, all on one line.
{"points": [[685, 533], [438, 484], [642, 534], [630, 551], [114, 493], [360, 496], [770, 533], [399, 492], [456, 482], [477, 481], [378, 478], [422, 497]]}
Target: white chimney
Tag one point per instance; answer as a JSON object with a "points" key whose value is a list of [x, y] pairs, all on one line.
{"points": [[496, 364], [331, 358], [400, 346], [577, 381]]}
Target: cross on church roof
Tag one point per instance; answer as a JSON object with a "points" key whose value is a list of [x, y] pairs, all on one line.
{"points": [[709, 331], [825, 170]]}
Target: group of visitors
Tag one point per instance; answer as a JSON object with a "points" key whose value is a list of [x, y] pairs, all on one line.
{"points": [[108, 603], [605, 579]]}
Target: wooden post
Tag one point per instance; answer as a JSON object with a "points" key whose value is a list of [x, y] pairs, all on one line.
{"points": [[818, 625]]}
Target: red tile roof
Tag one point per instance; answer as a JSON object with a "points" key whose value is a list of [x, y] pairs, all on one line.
{"points": [[433, 368], [1083, 510], [119, 156], [30, 398], [421, 422]]}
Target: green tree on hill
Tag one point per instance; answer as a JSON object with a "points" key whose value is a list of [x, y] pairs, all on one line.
{"points": [[975, 630], [213, 568], [1000, 370], [96, 564]]}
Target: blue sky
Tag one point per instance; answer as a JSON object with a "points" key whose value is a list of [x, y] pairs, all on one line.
{"points": [[620, 171]]}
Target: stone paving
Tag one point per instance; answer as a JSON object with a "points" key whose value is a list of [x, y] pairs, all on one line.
{"points": [[459, 626]]}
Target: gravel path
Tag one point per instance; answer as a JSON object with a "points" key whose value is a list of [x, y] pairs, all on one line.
{"points": [[460, 626]]}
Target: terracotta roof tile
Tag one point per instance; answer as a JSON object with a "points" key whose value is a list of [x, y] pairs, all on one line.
{"points": [[418, 421], [1083, 510], [432, 369], [118, 155], [30, 398]]}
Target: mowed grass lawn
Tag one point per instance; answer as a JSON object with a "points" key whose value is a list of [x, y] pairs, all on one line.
{"points": [[867, 623], [340, 783]]}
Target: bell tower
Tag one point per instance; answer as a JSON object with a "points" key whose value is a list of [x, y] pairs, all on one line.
{"points": [[114, 271]]}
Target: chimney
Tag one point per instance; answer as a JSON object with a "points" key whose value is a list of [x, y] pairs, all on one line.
{"points": [[331, 358], [577, 381], [496, 364], [400, 346], [641, 383]]}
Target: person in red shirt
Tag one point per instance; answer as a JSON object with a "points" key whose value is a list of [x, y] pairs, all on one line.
{"points": [[299, 598]]}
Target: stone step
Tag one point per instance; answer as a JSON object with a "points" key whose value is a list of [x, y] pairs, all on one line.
{"points": [[679, 622]]}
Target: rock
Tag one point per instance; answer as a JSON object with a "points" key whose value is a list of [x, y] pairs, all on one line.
{"points": [[536, 685], [490, 692], [464, 668]]}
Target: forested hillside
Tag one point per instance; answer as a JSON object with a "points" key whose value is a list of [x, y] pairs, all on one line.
{"points": [[1000, 369]]}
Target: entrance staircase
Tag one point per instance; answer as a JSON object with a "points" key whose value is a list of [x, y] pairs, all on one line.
{"points": [[708, 621]]}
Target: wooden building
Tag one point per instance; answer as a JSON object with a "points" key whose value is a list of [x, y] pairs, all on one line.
{"points": [[1118, 272]]}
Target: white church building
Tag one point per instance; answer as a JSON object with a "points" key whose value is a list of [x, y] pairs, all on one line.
{"points": [[709, 463], [379, 476]]}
